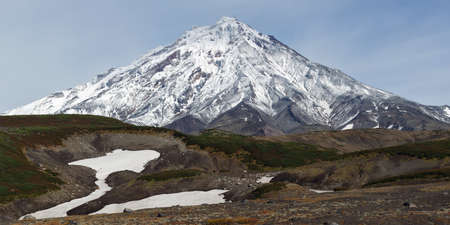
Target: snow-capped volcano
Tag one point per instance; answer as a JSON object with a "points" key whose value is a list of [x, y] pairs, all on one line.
{"points": [[233, 77]]}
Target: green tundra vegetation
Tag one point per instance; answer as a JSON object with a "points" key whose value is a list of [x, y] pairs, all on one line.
{"points": [[425, 150], [258, 154], [427, 175]]}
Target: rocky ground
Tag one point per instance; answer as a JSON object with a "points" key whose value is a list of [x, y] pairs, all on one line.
{"points": [[413, 204]]}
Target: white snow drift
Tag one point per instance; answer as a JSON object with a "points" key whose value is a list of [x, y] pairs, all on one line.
{"points": [[320, 191], [166, 200], [118, 160], [264, 180]]}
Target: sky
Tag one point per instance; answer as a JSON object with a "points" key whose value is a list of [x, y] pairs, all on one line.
{"points": [[401, 46]]}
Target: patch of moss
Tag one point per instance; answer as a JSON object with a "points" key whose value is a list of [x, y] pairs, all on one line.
{"points": [[171, 174]]}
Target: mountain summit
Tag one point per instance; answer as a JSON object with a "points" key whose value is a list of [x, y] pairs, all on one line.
{"points": [[232, 77]]}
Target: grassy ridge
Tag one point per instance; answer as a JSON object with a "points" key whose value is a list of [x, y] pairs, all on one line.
{"points": [[259, 153], [60, 120], [425, 150], [34, 130], [436, 174]]}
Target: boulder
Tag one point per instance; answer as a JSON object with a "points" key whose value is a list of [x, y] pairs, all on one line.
{"points": [[127, 210], [409, 205], [29, 217]]}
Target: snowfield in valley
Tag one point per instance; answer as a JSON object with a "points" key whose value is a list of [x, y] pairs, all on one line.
{"points": [[118, 160], [166, 200]]}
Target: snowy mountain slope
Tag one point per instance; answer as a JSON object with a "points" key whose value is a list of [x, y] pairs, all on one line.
{"points": [[230, 76]]}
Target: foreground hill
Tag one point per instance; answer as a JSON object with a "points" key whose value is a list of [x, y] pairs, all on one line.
{"points": [[36, 151], [409, 205], [232, 77]]}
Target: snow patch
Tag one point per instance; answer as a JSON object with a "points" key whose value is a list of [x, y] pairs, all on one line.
{"points": [[166, 200], [348, 127], [349, 120], [321, 191], [115, 161], [264, 180], [447, 111]]}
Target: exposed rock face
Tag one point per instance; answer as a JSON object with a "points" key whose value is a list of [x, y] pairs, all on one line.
{"points": [[232, 77]]}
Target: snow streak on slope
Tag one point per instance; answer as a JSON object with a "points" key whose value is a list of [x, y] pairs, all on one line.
{"points": [[188, 198], [348, 126]]}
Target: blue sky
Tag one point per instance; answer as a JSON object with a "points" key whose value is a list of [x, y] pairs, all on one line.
{"points": [[50, 45]]}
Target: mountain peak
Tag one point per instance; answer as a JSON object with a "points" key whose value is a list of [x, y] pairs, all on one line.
{"points": [[225, 28], [228, 20], [228, 34]]}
